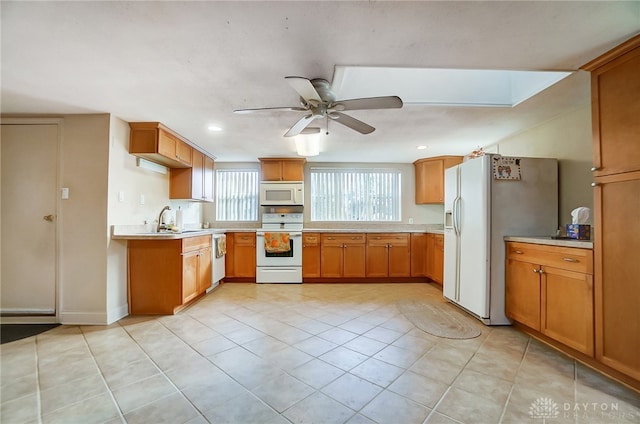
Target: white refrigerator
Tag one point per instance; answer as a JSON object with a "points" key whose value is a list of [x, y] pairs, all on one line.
{"points": [[486, 199]]}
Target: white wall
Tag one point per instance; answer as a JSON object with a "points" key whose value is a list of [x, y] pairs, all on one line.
{"points": [[569, 139], [84, 169], [421, 214]]}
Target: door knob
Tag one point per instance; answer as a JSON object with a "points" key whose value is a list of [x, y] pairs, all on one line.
{"points": [[48, 218]]}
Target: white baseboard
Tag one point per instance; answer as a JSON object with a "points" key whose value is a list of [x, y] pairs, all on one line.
{"points": [[118, 313]]}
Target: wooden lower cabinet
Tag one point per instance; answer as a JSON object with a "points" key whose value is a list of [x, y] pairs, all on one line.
{"points": [[165, 275], [311, 255], [388, 255], [418, 254], [550, 289], [434, 268], [240, 260], [342, 255]]}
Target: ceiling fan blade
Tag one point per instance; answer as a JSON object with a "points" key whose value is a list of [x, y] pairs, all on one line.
{"points": [[352, 123], [299, 126], [271, 109], [310, 130], [386, 102], [304, 88]]}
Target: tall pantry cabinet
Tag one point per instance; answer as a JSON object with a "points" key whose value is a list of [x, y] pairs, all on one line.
{"points": [[615, 97]]}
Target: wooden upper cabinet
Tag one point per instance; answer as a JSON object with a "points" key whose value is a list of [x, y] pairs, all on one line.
{"points": [[282, 169], [615, 91], [615, 105], [195, 183], [157, 143], [429, 178]]}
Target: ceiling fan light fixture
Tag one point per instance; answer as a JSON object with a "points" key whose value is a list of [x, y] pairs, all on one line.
{"points": [[308, 144]]}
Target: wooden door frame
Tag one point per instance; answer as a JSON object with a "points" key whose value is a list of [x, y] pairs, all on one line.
{"points": [[45, 319]]}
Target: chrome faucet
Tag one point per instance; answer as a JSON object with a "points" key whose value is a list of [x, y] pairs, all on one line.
{"points": [[166, 208]]}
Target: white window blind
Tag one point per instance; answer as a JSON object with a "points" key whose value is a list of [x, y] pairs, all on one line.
{"points": [[355, 194], [236, 195]]}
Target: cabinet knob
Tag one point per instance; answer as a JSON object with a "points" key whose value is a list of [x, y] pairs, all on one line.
{"points": [[570, 260], [519, 252], [593, 169], [594, 184]]}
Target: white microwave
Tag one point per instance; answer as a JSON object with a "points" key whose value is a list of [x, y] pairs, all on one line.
{"points": [[281, 193]]}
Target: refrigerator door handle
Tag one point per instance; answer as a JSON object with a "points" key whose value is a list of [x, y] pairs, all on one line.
{"points": [[456, 215]]}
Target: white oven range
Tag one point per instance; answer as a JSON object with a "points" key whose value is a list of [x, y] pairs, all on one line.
{"points": [[279, 248]]}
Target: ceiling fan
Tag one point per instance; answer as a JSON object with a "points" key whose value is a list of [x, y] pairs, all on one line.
{"points": [[318, 101]]}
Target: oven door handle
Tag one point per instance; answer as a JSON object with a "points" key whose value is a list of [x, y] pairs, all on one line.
{"points": [[261, 233]]}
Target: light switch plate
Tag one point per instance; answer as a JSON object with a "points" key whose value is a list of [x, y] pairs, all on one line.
{"points": [[64, 193]]}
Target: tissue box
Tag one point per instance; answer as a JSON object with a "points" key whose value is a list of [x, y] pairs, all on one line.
{"points": [[579, 231]]}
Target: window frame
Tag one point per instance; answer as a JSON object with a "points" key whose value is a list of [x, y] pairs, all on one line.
{"points": [[396, 172]]}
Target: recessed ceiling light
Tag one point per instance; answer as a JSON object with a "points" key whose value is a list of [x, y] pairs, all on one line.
{"points": [[214, 128], [422, 147]]}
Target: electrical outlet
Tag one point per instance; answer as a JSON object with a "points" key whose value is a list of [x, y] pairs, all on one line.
{"points": [[410, 220], [142, 199]]}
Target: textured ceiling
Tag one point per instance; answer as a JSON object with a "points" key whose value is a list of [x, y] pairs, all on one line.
{"points": [[190, 64]]}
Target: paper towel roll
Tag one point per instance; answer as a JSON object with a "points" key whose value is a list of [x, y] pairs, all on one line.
{"points": [[179, 218]]}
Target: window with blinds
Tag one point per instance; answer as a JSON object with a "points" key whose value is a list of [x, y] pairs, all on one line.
{"points": [[237, 195], [355, 194]]}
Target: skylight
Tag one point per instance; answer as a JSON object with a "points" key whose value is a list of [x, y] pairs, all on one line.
{"points": [[447, 87]]}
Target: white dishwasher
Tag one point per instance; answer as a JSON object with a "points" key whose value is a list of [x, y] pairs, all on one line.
{"points": [[218, 253]]}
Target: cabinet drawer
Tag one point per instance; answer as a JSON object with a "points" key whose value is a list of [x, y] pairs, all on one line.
{"points": [[244, 239], [195, 243], [330, 239], [568, 258], [394, 239], [311, 239]]}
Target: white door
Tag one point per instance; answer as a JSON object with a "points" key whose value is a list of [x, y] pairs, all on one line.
{"points": [[474, 236], [28, 219]]}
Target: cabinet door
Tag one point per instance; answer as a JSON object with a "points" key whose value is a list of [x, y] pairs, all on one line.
{"points": [[418, 255], [433, 182], [197, 176], [230, 257], [271, 170], [567, 308], [331, 260], [292, 170], [311, 255], [430, 256], [523, 293], [189, 275], [207, 175], [616, 247], [615, 89], [377, 259], [244, 255], [204, 270], [399, 256], [354, 260], [438, 258]]}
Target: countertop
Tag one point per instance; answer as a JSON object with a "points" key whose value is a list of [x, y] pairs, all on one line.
{"points": [[143, 232], [550, 241]]}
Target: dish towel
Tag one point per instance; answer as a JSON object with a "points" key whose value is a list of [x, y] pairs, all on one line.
{"points": [[221, 246], [276, 242]]}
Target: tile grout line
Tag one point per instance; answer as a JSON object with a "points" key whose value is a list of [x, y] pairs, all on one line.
{"points": [[104, 381]]}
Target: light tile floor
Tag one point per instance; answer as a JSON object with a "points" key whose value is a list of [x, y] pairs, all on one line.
{"points": [[325, 353]]}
